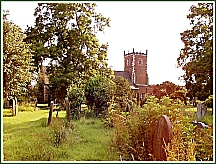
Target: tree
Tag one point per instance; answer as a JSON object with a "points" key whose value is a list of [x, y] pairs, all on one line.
{"points": [[123, 92], [67, 32], [99, 92], [17, 68], [196, 58], [39, 88], [76, 97], [180, 94], [165, 89], [37, 41]]}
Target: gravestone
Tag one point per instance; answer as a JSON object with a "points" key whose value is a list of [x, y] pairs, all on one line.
{"points": [[162, 135], [16, 106], [50, 112], [201, 111]]}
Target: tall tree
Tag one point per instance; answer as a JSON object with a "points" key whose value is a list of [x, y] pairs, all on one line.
{"points": [[165, 89], [67, 31], [196, 58], [17, 68], [123, 92]]}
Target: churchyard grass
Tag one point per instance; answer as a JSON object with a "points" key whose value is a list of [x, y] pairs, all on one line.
{"points": [[27, 137]]}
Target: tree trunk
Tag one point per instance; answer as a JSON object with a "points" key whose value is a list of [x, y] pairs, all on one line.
{"points": [[68, 109], [50, 113]]}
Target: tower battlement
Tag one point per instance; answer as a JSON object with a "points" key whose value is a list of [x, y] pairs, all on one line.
{"points": [[135, 53], [135, 71]]}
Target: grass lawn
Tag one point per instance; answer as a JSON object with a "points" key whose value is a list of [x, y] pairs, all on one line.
{"points": [[27, 137], [207, 119]]}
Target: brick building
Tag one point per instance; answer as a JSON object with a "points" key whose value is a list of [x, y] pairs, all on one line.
{"points": [[135, 71]]}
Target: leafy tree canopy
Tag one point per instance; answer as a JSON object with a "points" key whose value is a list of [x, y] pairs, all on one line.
{"points": [[165, 89], [196, 58], [17, 68], [66, 34]]}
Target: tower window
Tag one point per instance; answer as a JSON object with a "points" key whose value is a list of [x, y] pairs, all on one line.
{"points": [[128, 62], [140, 62]]}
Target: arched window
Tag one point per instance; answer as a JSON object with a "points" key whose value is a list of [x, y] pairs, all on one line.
{"points": [[140, 62], [128, 62]]}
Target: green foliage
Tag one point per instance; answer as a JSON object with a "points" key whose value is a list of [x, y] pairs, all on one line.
{"points": [[209, 101], [65, 33], [76, 97], [25, 108], [123, 92], [133, 132], [17, 59], [165, 89], [179, 94], [196, 58], [39, 88], [99, 92], [204, 144], [177, 150]]}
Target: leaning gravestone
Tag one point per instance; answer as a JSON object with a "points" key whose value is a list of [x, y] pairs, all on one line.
{"points": [[201, 111], [162, 135], [16, 106]]}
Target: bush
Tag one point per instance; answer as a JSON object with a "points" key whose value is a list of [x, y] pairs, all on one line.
{"points": [[99, 92], [76, 97], [133, 131], [122, 92], [209, 101]]}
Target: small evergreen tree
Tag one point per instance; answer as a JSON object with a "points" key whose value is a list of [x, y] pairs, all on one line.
{"points": [[99, 92]]}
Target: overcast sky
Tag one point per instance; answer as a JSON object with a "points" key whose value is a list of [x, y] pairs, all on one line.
{"points": [[155, 26]]}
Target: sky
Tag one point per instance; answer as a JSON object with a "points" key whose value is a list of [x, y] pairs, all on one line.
{"points": [[155, 26]]}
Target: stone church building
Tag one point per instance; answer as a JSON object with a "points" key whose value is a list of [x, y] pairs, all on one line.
{"points": [[135, 71]]}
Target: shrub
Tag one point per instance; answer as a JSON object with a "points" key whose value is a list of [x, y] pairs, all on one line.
{"points": [[99, 92], [76, 97], [204, 144], [209, 101], [132, 134], [122, 92], [177, 150]]}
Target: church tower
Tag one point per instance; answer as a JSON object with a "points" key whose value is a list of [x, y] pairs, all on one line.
{"points": [[135, 63]]}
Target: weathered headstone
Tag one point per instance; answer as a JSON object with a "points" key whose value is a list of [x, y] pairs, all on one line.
{"points": [[35, 102], [16, 106], [162, 135], [201, 111], [50, 112]]}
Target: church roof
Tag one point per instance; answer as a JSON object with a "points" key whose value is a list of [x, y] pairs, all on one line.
{"points": [[127, 76]]}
